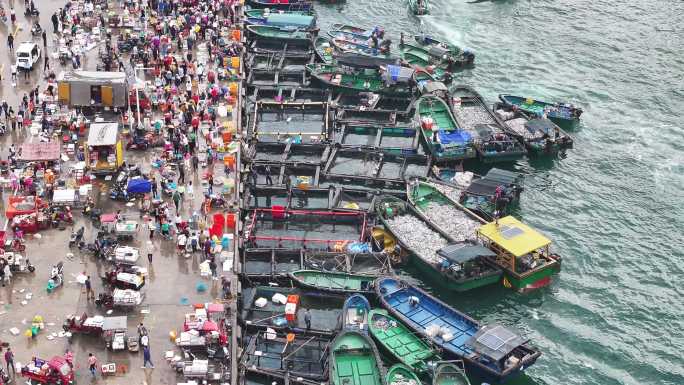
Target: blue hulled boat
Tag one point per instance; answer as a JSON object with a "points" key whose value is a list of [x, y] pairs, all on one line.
{"points": [[491, 351], [355, 313]]}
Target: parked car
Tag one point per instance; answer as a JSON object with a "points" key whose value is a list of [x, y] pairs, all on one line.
{"points": [[28, 54]]}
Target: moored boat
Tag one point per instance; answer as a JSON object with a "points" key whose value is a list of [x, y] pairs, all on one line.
{"points": [[349, 37], [263, 12], [400, 342], [382, 56], [347, 79], [400, 374], [449, 373], [355, 313], [491, 351], [285, 21], [354, 360], [441, 134], [539, 136], [324, 49], [290, 5], [362, 32], [440, 49], [522, 252], [419, 7], [558, 112], [333, 281], [495, 143], [418, 58], [266, 32]]}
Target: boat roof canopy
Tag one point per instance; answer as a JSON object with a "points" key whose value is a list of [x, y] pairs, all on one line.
{"points": [[460, 253], [103, 134], [514, 236], [495, 341]]}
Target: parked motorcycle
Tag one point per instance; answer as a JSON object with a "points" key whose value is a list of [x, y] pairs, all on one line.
{"points": [[76, 237], [56, 277]]}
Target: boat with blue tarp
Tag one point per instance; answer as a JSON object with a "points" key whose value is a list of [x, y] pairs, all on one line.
{"points": [[492, 351], [355, 313], [558, 112]]}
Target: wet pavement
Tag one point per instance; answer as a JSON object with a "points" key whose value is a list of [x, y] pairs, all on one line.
{"points": [[171, 283]]}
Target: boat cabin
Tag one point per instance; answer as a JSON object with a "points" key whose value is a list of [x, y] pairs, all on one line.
{"points": [[521, 251], [464, 261], [501, 347]]}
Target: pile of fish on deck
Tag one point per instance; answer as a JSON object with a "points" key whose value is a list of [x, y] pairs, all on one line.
{"points": [[353, 154]]}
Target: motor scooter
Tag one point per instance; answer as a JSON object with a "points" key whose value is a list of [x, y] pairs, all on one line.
{"points": [[76, 237], [56, 277]]}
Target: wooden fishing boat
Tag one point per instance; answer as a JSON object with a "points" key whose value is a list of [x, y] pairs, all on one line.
{"points": [[279, 34], [522, 252], [465, 261], [363, 32], [449, 373], [349, 37], [348, 79], [441, 49], [285, 21], [355, 313], [414, 57], [263, 12], [541, 137], [435, 254], [364, 50], [400, 342], [324, 49], [400, 374], [495, 143], [291, 5], [419, 7], [441, 134], [558, 112], [333, 282], [492, 351], [354, 360]]}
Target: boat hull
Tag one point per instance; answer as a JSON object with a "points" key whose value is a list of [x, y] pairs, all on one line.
{"points": [[340, 283], [433, 275], [566, 115], [533, 281], [350, 352]]}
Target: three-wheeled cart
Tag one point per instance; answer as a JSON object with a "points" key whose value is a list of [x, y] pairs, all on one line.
{"points": [[115, 329], [55, 371], [125, 255]]}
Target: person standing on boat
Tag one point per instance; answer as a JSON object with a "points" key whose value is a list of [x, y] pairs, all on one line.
{"points": [[307, 319]]}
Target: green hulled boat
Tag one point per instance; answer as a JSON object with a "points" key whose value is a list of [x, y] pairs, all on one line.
{"points": [[466, 264], [446, 51], [333, 282], [354, 360], [263, 12], [400, 374], [280, 34], [561, 113], [449, 373], [400, 342], [324, 49], [442, 136], [419, 7], [347, 79], [415, 56]]}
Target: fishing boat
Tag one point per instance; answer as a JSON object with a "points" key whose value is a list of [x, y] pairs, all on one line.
{"points": [[264, 12], [363, 32], [540, 136], [558, 112], [400, 342], [522, 252], [449, 373], [350, 79], [441, 134], [400, 374], [266, 32], [495, 143], [419, 7], [354, 360], [349, 37], [441, 49], [290, 5], [344, 283], [355, 313], [324, 49], [382, 56], [418, 58], [286, 21], [492, 351], [435, 254], [465, 261]]}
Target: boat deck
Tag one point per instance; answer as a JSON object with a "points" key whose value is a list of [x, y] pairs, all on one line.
{"points": [[297, 122], [376, 166], [399, 140]]}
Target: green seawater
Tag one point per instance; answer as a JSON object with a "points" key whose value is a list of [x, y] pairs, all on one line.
{"points": [[613, 206]]}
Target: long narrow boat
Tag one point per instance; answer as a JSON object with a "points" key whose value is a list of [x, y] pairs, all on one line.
{"points": [[540, 136], [440, 49], [349, 37], [417, 57], [287, 21], [355, 313], [279, 34], [291, 5], [466, 262], [448, 373], [491, 351], [495, 143], [364, 50], [400, 374], [361, 32], [333, 282], [354, 360], [429, 246], [558, 112], [419, 7], [400, 342], [263, 12], [441, 134], [324, 49], [345, 79], [522, 252]]}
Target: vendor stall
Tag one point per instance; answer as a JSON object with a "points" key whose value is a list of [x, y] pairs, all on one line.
{"points": [[104, 150]]}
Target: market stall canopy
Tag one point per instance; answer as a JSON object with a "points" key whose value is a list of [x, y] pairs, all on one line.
{"points": [[514, 236], [103, 134], [115, 323], [460, 253], [38, 152], [495, 341]]}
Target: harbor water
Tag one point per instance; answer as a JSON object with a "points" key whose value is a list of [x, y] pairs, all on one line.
{"points": [[613, 206]]}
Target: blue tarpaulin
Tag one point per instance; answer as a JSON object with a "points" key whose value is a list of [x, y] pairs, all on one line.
{"points": [[454, 137], [139, 186]]}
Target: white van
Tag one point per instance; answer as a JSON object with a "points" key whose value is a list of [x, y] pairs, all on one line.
{"points": [[28, 54]]}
